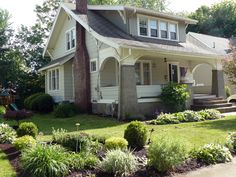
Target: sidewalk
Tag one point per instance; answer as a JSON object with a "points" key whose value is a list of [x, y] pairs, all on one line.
{"points": [[219, 170]]}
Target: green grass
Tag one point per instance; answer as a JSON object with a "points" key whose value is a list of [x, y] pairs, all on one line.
{"points": [[193, 134], [6, 170]]}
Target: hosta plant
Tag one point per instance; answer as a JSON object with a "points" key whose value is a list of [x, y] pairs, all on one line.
{"points": [[7, 134]]}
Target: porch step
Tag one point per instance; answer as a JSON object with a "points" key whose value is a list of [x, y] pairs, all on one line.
{"points": [[227, 109], [210, 106], [216, 100], [204, 96]]}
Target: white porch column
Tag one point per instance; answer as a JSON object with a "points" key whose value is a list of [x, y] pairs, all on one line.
{"points": [[218, 84]]}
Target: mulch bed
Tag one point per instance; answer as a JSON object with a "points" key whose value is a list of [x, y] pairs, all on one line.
{"points": [[192, 164]]}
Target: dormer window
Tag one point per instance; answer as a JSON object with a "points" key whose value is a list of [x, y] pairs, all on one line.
{"points": [[153, 28], [158, 28], [163, 28], [70, 39], [143, 26], [173, 31]]}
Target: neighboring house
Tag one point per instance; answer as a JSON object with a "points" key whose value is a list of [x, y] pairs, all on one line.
{"points": [[132, 53]]}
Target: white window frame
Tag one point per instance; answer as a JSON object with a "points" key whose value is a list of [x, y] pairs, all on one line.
{"points": [[143, 17], [158, 28], [142, 71], [70, 39], [96, 64], [51, 79], [173, 31]]}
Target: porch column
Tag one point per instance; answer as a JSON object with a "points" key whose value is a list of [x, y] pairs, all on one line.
{"points": [[218, 84], [128, 101]]}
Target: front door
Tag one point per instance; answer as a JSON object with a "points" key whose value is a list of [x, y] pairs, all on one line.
{"points": [[173, 72]]}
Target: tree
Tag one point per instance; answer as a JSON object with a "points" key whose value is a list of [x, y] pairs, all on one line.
{"points": [[218, 20]]}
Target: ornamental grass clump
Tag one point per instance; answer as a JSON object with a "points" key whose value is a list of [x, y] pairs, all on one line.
{"points": [[7, 134], [165, 154], [212, 154], [119, 163]]}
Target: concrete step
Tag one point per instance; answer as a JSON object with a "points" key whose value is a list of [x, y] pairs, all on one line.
{"points": [[210, 106], [210, 101], [227, 109], [203, 96]]}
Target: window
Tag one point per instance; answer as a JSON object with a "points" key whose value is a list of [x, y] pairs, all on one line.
{"points": [[163, 28], [143, 26], [143, 73], [153, 28], [53, 79], [70, 39], [173, 31], [93, 66]]}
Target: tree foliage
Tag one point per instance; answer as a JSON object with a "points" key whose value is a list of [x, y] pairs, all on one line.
{"points": [[217, 20]]}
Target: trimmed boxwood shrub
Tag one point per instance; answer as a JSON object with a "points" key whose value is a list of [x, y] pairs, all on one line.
{"points": [[27, 128], [212, 154], [116, 143], [28, 101], [24, 142], [119, 163], [65, 110], [165, 154], [174, 96], [136, 134], [43, 103]]}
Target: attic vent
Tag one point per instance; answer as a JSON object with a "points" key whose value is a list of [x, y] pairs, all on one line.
{"points": [[214, 45]]}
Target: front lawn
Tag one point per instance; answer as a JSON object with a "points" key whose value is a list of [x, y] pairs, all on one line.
{"points": [[193, 134], [6, 170]]}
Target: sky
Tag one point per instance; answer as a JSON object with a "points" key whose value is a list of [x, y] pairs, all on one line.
{"points": [[22, 11]]}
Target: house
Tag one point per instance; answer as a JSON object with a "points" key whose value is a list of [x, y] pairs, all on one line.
{"points": [[116, 59]]}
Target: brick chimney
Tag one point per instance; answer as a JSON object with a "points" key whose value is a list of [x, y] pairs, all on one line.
{"points": [[81, 64], [81, 6]]}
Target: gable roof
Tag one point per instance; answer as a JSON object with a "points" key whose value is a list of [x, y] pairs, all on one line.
{"points": [[108, 33], [217, 44]]}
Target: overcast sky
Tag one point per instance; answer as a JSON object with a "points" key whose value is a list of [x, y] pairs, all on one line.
{"points": [[22, 11]]}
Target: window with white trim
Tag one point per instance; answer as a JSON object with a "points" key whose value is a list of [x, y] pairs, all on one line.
{"points": [[173, 31], [143, 72], [153, 28], [143, 26], [53, 79], [163, 29], [70, 39], [93, 65]]}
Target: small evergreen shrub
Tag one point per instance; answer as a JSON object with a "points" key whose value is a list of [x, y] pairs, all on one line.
{"points": [[116, 143], [166, 154], [27, 128], [43, 103], [46, 160], [231, 141], [28, 101], [174, 96], [24, 142], [210, 114], [212, 154], [7, 134], [65, 110], [119, 163], [136, 134]]}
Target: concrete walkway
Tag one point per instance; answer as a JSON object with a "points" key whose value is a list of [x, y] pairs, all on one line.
{"points": [[219, 170], [229, 114]]}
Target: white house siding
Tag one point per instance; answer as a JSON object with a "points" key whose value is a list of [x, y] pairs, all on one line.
{"points": [[60, 43], [68, 82], [58, 95], [91, 46]]}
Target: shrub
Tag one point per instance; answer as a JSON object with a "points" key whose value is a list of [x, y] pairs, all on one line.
{"points": [[227, 91], [167, 119], [24, 142], [209, 114], [46, 160], [174, 96], [119, 163], [17, 115], [43, 103], [116, 143], [192, 116], [2, 110], [28, 101], [136, 134], [231, 141], [65, 110], [166, 154], [212, 154], [7, 134], [27, 128]]}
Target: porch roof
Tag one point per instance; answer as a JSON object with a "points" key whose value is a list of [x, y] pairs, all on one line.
{"points": [[57, 62]]}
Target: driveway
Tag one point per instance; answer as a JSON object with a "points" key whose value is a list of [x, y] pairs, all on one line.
{"points": [[219, 170]]}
